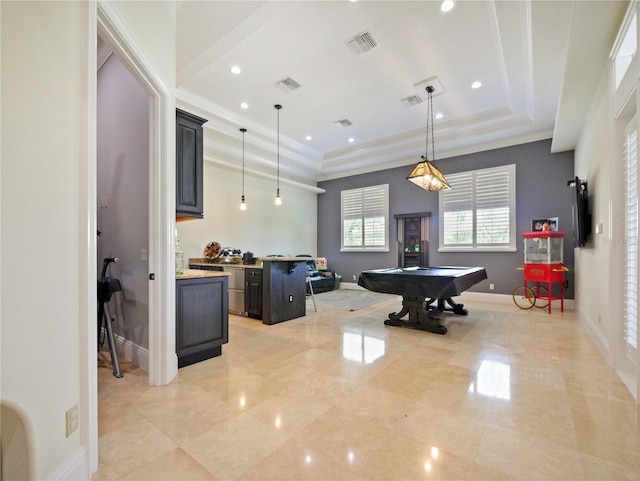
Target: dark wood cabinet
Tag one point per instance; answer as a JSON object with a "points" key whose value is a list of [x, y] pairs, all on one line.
{"points": [[189, 165], [284, 290], [253, 293], [202, 318]]}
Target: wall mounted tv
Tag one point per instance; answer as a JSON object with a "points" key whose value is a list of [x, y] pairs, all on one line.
{"points": [[580, 211]]}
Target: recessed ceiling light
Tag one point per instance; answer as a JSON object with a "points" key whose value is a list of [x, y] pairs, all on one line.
{"points": [[446, 5], [235, 70], [351, 139], [476, 85], [244, 105], [439, 115], [308, 137]]}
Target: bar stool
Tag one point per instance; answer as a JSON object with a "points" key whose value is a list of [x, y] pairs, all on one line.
{"points": [[315, 308]]}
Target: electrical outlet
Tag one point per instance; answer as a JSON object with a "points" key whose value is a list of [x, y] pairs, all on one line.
{"points": [[491, 287], [354, 277], [144, 256], [72, 420], [290, 298]]}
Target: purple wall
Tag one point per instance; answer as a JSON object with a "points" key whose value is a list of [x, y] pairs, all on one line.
{"points": [[541, 191]]}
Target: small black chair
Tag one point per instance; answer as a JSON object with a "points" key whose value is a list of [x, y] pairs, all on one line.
{"points": [[107, 286]]}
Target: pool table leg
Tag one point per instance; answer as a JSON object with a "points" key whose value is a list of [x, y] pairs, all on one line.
{"points": [[419, 317], [455, 307]]}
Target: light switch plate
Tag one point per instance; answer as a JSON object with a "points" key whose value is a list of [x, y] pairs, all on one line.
{"points": [[71, 417]]}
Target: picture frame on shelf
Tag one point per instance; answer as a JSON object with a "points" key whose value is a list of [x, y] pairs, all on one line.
{"points": [[541, 225]]}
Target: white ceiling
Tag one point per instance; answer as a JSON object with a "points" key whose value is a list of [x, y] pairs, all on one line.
{"points": [[539, 63]]}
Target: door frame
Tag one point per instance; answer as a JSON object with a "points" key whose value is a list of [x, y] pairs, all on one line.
{"points": [[106, 22]]}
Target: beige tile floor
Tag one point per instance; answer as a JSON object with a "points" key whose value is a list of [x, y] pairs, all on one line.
{"points": [[336, 395]]}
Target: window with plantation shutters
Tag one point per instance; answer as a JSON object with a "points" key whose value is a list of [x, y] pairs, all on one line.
{"points": [[478, 213], [365, 218], [630, 274]]}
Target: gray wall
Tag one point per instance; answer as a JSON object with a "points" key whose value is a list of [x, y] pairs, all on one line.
{"points": [[541, 191], [123, 179]]}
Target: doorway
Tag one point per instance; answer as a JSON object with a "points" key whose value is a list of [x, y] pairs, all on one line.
{"points": [[123, 205]]}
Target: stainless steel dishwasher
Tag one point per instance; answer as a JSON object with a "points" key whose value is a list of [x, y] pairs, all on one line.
{"points": [[236, 289]]}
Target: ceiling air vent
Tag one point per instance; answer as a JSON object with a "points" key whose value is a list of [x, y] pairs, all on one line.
{"points": [[287, 85], [362, 43], [411, 101], [343, 123]]}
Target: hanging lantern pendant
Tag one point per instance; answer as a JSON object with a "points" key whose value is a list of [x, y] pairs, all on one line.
{"points": [[425, 174]]}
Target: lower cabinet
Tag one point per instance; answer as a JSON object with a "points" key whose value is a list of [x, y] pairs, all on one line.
{"points": [[253, 293], [202, 318]]}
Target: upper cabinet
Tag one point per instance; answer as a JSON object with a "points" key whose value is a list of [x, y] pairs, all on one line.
{"points": [[189, 168]]}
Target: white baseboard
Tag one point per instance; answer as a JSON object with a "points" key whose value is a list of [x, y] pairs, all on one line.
{"points": [[74, 468], [132, 352], [469, 296], [138, 355]]}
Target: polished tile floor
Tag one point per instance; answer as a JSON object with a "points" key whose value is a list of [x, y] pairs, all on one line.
{"points": [[336, 395]]}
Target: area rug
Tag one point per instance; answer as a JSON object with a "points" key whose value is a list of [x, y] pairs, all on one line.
{"points": [[348, 299]]}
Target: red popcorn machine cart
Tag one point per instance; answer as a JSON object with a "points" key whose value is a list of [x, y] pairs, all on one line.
{"points": [[543, 268]]}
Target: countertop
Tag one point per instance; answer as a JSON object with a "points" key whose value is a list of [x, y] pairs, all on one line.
{"points": [[203, 261], [286, 259], [196, 273], [206, 262]]}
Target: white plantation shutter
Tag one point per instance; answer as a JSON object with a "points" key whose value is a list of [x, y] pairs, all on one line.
{"points": [[375, 212], [630, 275], [493, 207], [365, 218], [458, 210], [478, 213], [352, 218]]}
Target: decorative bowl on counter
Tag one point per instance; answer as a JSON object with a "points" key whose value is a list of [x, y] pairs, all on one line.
{"points": [[213, 250]]}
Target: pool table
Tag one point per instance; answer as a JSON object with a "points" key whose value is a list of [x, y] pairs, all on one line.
{"points": [[420, 287]]}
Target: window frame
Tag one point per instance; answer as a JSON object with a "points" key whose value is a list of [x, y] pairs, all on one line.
{"points": [[510, 170], [384, 188]]}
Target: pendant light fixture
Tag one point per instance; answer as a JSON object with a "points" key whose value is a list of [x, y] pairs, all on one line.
{"points": [[425, 174], [278, 198], [243, 204]]}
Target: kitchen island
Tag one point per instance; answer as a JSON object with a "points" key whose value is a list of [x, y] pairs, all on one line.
{"points": [[283, 288], [274, 287], [202, 317]]}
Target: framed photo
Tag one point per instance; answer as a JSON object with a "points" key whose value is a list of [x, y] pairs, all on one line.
{"points": [[540, 225]]}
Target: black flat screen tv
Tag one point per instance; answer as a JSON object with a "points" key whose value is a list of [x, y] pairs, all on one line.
{"points": [[580, 211]]}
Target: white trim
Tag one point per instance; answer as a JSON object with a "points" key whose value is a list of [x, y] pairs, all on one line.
{"points": [[88, 298], [485, 297], [360, 203], [132, 352], [74, 467], [465, 187], [365, 249], [622, 31], [479, 249], [600, 340], [507, 299], [351, 286], [264, 175]]}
